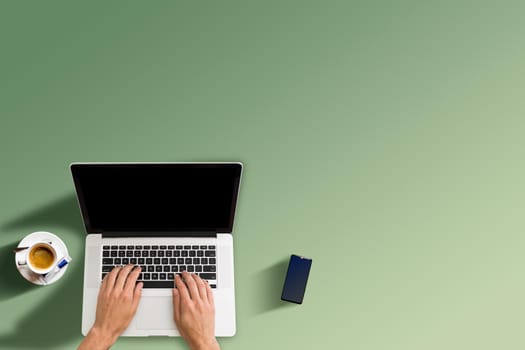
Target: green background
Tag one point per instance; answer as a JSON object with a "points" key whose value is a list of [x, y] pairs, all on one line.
{"points": [[383, 139]]}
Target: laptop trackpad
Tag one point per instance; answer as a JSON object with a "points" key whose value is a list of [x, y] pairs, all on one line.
{"points": [[155, 313]]}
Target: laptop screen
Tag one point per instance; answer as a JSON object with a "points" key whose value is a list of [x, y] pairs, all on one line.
{"points": [[153, 197]]}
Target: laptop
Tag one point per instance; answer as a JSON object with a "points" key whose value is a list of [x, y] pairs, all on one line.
{"points": [[166, 218]]}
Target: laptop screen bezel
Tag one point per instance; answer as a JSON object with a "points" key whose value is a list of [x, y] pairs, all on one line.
{"points": [[76, 167]]}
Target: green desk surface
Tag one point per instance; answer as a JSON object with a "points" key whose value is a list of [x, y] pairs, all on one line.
{"points": [[382, 139]]}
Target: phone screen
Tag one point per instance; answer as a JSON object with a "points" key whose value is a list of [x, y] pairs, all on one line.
{"points": [[296, 278]]}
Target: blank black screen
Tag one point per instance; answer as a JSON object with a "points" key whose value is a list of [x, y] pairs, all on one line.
{"points": [[157, 197], [296, 278]]}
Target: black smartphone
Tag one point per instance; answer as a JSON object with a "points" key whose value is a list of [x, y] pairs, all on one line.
{"points": [[296, 278]]}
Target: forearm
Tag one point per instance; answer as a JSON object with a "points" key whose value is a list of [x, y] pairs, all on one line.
{"points": [[97, 340]]}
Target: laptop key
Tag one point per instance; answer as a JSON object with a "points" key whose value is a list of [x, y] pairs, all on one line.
{"points": [[154, 247], [173, 261], [107, 261], [121, 253], [117, 261], [208, 276], [147, 276], [107, 268], [137, 253], [212, 261], [200, 253], [202, 247], [180, 261], [209, 268], [154, 276], [114, 253], [187, 247], [151, 268], [130, 247], [198, 268], [210, 253], [184, 253], [165, 261], [190, 268], [171, 276], [162, 276], [182, 268], [106, 247], [153, 254], [211, 247], [147, 247], [105, 253], [129, 253], [194, 247], [196, 261], [192, 253], [213, 286], [188, 261], [163, 247], [133, 261], [145, 253], [158, 284], [156, 261], [174, 268], [166, 268], [204, 261], [178, 247], [141, 261], [158, 268], [169, 253], [176, 253], [114, 247]]}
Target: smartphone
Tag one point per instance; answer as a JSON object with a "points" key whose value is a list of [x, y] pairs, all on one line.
{"points": [[296, 278]]}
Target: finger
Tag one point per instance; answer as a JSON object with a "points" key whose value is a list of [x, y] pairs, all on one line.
{"points": [[131, 281], [209, 293], [137, 293], [201, 287], [122, 277], [109, 280], [182, 289], [176, 304], [192, 286]]}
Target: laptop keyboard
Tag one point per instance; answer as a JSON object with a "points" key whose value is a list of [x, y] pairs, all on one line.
{"points": [[160, 263]]}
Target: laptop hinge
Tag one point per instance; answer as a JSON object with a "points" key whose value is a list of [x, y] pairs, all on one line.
{"points": [[159, 234]]}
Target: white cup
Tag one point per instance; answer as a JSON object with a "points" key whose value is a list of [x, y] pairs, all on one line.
{"points": [[41, 257]]}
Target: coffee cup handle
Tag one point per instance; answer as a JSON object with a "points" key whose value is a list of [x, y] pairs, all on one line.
{"points": [[22, 260]]}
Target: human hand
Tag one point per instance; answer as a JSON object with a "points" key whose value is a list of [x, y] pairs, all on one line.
{"points": [[118, 299], [194, 311]]}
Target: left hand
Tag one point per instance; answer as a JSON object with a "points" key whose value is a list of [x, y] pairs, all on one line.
{"points": [[118, 300]]}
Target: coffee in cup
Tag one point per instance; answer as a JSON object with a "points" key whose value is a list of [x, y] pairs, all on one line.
{"points": [[41, 258]]}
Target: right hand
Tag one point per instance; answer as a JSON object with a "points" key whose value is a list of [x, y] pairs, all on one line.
{"points": [[194, 311]]}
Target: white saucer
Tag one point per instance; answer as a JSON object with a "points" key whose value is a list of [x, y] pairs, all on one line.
{"points": [[28, 240]]}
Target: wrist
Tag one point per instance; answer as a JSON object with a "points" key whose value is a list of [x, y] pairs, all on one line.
{"points": [[105, 339], [204, 344]]}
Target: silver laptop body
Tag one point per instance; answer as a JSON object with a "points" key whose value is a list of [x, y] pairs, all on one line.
{"points": [[131, 210]]}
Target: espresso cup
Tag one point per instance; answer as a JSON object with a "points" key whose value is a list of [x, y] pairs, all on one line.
{"points": [[41, 257]]}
